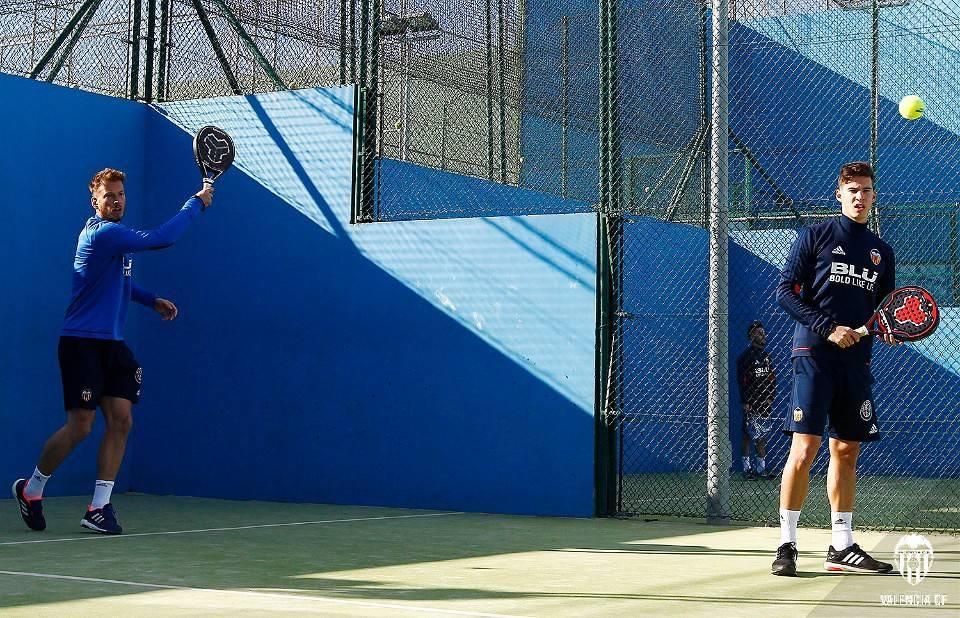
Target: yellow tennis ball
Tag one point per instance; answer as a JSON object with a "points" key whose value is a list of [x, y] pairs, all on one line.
{"points": [[912, 107]]}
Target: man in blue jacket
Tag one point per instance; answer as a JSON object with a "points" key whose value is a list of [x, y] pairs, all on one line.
{"points": [[834, 277], [96, 366]]}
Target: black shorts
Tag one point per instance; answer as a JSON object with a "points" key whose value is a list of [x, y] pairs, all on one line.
{"points": [[825, 391], [95, 368]]}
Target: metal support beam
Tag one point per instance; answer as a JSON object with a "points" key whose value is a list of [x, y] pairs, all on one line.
{"points": [[489, 44], [718, 320], [74, 38], [501, 35], [564, 104], [875, 103], [251, 46], [151, 46], [163, 70], [779, 193], [66, 32], [343, 42], [609, 362], [135, 52], [217, 48]]}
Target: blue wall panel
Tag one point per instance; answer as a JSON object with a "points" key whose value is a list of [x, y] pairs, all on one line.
{"points": [[444, 364], [56, 139]]}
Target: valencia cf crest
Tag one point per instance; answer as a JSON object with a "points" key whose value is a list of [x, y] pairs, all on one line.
{"points": [[797, 415], [875, 257]]}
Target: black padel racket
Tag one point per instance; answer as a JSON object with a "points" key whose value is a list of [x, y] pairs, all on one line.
{"points": [[214, 151], [909, 314]]}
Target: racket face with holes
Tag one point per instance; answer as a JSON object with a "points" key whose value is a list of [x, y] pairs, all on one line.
{"points": [[214, 151], [908, 313]]}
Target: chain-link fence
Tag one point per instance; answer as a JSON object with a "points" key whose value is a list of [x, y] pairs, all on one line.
{"points": [[811, 85], [525, 107], [181, 49], [501, 91]]}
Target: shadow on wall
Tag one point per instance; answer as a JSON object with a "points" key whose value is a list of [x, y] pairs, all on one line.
{"points": [[436, 364]]}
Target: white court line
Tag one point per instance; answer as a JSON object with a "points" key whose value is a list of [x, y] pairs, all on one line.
{"points": [[92, 536], [298, 597]]}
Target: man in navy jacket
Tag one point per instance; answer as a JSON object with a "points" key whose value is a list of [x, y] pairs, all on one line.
{"points": [[834, 277]]}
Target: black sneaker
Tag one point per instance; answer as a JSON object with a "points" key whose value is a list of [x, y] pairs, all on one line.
{"points": [[855, 560], [786, 562], [102, 520], [30, 510], [749, 475], [768, 475]]}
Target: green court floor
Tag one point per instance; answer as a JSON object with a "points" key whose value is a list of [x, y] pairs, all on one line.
{"points": [[201, 557]]}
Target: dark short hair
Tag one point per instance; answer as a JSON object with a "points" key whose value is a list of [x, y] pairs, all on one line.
{"points": [[855, 168], [753, 325]]}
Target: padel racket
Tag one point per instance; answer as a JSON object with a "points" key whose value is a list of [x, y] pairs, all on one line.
{"points": [[909, 314], [214, 151]]}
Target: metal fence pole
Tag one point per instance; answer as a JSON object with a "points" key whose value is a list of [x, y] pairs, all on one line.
{"points": [[135, 51], [609, 233], [151, 45], [874, 101], [718, 413], [564, 103]]}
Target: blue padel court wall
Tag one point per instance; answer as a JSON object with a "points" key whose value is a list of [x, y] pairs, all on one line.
{"points": [[51, 150], [435, 364]]}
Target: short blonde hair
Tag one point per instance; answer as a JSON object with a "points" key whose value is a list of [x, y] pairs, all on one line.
{"points": [[104, 176]]}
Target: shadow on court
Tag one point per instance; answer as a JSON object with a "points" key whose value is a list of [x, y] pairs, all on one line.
{"points": [[187, 555]]}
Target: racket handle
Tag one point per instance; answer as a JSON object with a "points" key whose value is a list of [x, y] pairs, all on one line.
{"points": [[862, 331], [207, 181]]}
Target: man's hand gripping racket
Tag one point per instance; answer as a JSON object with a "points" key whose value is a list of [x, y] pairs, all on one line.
{"points": [[908, 314], [214, 152]]}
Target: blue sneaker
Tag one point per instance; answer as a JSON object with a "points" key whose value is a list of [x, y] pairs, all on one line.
{"points": [[102, 520], [30, 510]]}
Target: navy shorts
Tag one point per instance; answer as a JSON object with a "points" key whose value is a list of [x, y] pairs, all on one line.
{"points": [[825, 390], [95, 368]]}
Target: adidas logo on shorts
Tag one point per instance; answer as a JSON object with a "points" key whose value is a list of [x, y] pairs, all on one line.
{"points": [[873, 430]]}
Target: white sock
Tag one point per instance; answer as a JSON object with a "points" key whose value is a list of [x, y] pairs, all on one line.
{"points": [[746, 464], [788, 526], [101, 493], [842, 530], [35, 484], [761, 465]]}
